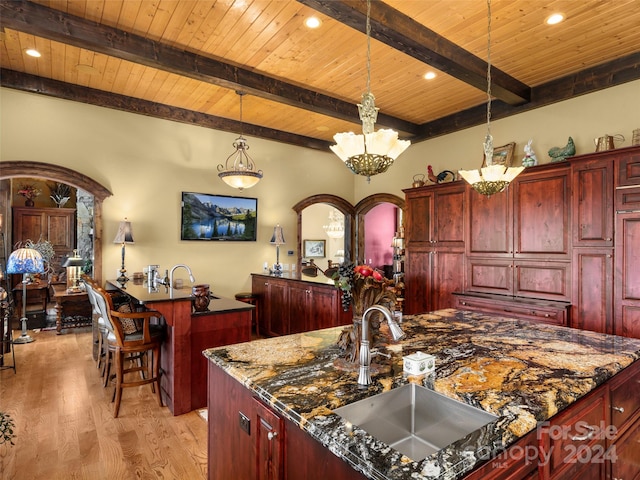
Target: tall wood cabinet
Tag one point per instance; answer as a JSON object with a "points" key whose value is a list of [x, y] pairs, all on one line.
{"points": [[566, 232], [57, 225], [434, 251]]}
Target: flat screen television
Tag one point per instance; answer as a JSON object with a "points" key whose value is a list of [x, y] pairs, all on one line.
{"points": [[207, 217]]}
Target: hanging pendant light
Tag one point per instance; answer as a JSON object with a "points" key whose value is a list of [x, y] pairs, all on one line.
{"points": [[239, 171], [492, 178], [372, 152]]}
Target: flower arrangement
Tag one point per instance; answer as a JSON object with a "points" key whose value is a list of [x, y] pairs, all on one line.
{"points": [[362, 287], [60, 194], [29, 191]]}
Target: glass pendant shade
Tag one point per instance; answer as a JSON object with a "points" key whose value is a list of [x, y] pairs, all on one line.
{"points": [[371, 152], [239, 171], [25, 260], [493, 178]]}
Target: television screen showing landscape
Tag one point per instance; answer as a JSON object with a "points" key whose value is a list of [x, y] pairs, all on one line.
{"points": [[218, 217]]}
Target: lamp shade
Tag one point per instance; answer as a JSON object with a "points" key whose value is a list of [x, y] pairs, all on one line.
{"points": [[278, 236], [125, 233], [25, 260]]}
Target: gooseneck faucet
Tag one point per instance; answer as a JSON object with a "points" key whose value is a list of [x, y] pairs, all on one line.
{"points": [[364, 376], [173, 269]]}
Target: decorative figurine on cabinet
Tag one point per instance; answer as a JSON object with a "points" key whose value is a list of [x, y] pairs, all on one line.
{"points": [[558, 154], [530, 159]]}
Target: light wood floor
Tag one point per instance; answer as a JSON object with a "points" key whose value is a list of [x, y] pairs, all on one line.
{"points": [[64, 423]]}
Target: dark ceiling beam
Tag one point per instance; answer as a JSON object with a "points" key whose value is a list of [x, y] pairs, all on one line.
{"points": [[76, 93], [609, 74], [401, 32], [28, 17]]}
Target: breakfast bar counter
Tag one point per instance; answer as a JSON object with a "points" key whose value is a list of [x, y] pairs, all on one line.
{"points": [[527, 374], [183, 370]]}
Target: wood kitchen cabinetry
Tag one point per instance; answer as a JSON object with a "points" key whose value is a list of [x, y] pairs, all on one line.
{"points": [[518, 241], [564, 232], [292, 306], [434, 248]]}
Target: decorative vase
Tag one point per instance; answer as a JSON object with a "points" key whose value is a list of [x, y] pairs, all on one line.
{"points": [[201, 298], [29, 202]]}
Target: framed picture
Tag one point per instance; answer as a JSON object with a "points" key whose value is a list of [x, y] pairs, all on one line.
{"points": [[314, 248], [209, 217], [502, 155]]}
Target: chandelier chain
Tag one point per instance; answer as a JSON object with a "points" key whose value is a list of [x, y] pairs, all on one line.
{"points": [[489, 67], [368, 30]]}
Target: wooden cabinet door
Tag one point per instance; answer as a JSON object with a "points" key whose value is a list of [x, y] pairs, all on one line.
{"points": [[550, 280], [418, 280], [448, 277], [541, 215], [448, 217], [418, 217], [323, 308], [628, 170], [269, 443], [626, 465], [278, 308], [260, 288], [592, 185], [490, 225], [627, 275], [489, 275], [592, 296], [300, 310]]}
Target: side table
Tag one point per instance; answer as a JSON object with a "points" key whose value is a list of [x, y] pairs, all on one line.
{"points": [[68, 304]]}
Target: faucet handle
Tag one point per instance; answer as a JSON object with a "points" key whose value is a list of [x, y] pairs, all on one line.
{"points": [[375, 351]]}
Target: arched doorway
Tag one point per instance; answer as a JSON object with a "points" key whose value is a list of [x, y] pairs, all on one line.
{"points": [[70, 177]]}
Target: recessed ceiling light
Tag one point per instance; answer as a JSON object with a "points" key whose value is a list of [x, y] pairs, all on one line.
{"points": [[430, 75], [313, 22], [554, 18], [32, 52]]}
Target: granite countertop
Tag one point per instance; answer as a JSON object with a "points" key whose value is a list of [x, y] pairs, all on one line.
{"points": [[143, 294], [520, 371]]}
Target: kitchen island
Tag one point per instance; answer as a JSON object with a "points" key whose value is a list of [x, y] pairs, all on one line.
{"points": [[183, 370], [271, 402]]}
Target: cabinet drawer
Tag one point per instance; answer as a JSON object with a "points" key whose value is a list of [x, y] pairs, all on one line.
{"points": [[577, 438], [625, 397], [545, 312], [628, 198], [628, 170]]}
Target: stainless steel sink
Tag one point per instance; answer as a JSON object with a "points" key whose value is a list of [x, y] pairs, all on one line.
{"points": [[414, 420]]}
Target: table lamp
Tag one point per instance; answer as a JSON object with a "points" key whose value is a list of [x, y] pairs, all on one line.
{"points": [[25, 261], [74, 270], [277, 239], [124, 235]]}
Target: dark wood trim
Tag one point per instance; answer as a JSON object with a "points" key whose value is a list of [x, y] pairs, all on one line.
{"points": [[41, 21], [388, 25], [57, 173]]}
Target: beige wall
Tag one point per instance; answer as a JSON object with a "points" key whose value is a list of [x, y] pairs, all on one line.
{"points": [[147, 163]]}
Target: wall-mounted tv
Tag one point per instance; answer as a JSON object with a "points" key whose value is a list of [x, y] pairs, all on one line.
{"points": [[209, 217]]}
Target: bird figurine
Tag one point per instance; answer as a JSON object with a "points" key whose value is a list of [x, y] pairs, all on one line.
{"points": [[441, 177], [558, 154]]}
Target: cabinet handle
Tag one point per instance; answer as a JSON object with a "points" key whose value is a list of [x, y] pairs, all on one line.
{"points": [[618, 409], [272, 435], [463, 303], [587, 436], [609, 255], [266, 284], [608, 239]]}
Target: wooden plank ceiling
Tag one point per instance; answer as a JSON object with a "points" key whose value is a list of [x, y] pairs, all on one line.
{"points": [[185, 59]]}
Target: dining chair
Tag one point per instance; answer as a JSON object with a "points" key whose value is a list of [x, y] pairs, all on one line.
{"points": [[134, 336]]}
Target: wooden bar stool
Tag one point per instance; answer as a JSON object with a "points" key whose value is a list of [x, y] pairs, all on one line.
{"points": [[251, 299]]}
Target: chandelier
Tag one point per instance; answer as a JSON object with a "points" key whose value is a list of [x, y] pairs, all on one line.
{"points": [[335, 228], [493, 178], [239, 171], [372, 152]]}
